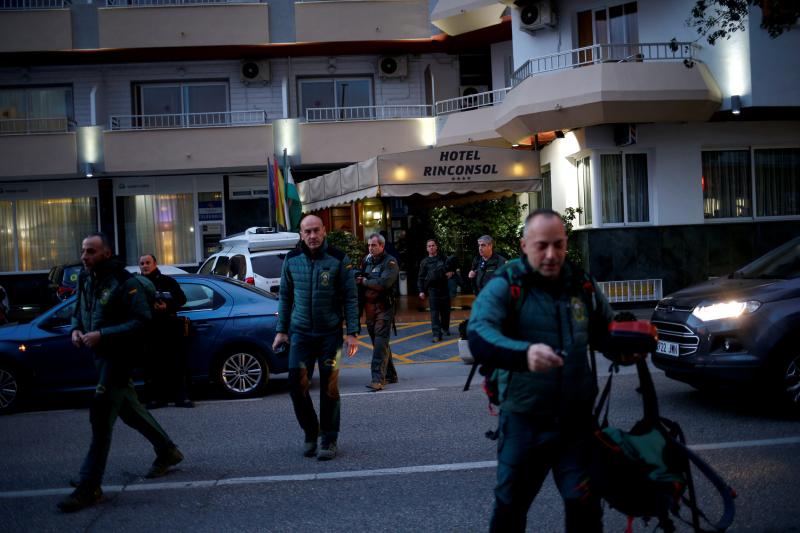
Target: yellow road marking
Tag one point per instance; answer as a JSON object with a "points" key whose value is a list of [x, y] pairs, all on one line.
{"points": [[399, 327], [401, 339], [427, 348]]}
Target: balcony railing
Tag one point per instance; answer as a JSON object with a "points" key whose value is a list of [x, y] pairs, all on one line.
{"points": [[187, 120], [34, 4], [371, 112], [605, 53], [473, 101], [152, 3], [23, 126]]}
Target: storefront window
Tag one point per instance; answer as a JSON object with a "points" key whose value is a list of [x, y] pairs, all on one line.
{"points": [[160, 224], [625, 188], [726, 184], [585, 191], [6, 237]]}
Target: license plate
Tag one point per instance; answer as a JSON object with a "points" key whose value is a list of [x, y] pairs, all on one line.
{"points": [[668, 348]]}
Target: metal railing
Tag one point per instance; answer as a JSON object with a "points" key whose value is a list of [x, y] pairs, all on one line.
{"points": [[371, 112], [187, 120], [604, 53], [34, 4], [473, 101], [639, 290], [152, 3], [22, 126]]}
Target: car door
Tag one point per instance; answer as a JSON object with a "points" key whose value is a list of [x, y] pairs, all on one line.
{"points": [[56, 362], [208, 307]]}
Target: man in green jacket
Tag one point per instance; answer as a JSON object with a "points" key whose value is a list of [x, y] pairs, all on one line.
{"points": [[532, 322], [318, 293], [111, 315]]}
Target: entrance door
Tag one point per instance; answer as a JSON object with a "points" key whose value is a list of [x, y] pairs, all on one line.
{"points": [[615, 28]]}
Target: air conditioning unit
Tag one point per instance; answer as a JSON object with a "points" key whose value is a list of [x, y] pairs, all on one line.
{"points": [[471, 90], [254, 71], [536, 16], [393, 66]]}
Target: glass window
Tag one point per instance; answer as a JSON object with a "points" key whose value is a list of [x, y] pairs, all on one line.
{"points": [[334, 93], [268, 266], [726, 184], [207, 266], [62, 317], [50, 231], [777, 175], [617, 25], [624, 188], [585, 191], [161, 224], [173, 104], [198, 297], [238, 267], [35, 109], [544, 197], [221, 268]]}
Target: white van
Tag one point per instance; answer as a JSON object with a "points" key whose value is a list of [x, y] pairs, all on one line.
{"points": [[255, 257]]}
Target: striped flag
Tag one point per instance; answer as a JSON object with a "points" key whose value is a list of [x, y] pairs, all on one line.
{"points": [[295, 208], [281, 209]]}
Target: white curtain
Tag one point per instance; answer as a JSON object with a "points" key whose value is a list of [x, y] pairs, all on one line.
{"points": [[50, 230], [160, 224], [636, 188], [726, 184], [778, 182], [585, 191], [611, 185], [6, 237]]}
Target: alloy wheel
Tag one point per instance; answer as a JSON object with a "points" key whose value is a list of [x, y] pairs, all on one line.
{"points": [[242, 373], [791, 382], [9, 389]]}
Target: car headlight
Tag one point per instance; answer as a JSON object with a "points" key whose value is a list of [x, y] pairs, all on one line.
{"points": [[718, 311]]}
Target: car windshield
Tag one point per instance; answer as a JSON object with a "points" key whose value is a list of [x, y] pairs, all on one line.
{"points": [[781, 263], [249, 287]]}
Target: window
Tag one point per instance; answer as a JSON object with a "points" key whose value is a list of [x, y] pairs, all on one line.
{"points": [[614, 25], [222, 266], [585, 191], [624, 187], [726, 184], [334, 92], [206, 268], [777, 175], [161, 224], [268, 266], [33, 109], [46, 232], [238, 267], [199, 297], [182, 104], [544, 197]]}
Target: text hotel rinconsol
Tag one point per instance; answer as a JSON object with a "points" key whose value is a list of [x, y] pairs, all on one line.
{"points": [[462, 171]]}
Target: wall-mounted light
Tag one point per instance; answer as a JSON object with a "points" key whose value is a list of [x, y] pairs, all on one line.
{"points": [[736, 104], [376, 215], [88, 170]]}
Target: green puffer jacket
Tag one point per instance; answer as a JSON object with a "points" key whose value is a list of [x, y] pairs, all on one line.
{"points": [[318, 291], [116, 303], [502, 327]]}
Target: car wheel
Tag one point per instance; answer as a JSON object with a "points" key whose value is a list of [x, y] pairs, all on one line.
{"points": [[9, 389], [790, 383], [243, 373]]}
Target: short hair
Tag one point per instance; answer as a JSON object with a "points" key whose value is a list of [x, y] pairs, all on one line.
{"points": [[106, 242], [487, 239], [431, 240], [378, 236], [542, 211], [150, 255]]}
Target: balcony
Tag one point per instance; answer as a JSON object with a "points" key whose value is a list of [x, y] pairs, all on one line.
{"points": [[193, 141], [477, 126], [361, 20], [349, 134], [602, 84], [37, 147], [178, 23], [35, 25], [455, 17]]}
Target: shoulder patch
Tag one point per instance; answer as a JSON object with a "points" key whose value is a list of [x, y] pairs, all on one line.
{"points": [[393, 262], [133, 291]]}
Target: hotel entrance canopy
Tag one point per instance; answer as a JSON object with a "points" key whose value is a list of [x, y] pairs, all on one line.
{"points": [[456, 169]]}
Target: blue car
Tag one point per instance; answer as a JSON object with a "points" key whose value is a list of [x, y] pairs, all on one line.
{"points": [[232, 329]]}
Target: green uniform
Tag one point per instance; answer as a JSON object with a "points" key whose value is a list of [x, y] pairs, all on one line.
{"points": [[379, 284], [545, 416], [432, 280], [117, 304]]}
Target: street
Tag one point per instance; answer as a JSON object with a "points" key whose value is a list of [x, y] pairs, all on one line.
{"points": [[411, 458]]}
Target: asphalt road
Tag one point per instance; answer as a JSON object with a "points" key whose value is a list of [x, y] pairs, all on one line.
{"points": [[411, 458]]}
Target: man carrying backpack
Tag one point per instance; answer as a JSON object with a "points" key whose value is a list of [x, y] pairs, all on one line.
{"points": [[111, 314], [532, 322]]}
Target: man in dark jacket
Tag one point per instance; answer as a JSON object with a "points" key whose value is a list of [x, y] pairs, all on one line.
{"points": [[432, 282], [378, 282], [111, 313], [485, 265], [168, 363], [318, 292], [532, 322]]}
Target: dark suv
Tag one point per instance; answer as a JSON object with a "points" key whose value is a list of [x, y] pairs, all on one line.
{"points": [[743, 330]]}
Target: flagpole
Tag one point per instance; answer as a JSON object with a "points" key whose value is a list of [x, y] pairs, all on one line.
{"points": [[270, 199], [286, 191]]}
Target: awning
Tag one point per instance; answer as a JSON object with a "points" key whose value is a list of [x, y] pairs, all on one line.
{"points": [[456, 169]]}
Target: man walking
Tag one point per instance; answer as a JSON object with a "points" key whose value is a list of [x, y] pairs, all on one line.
{"points": [[485, 265], [110, 318], [318, 292], [432, 282], [380, 277], [168, 363], [532, 321]]}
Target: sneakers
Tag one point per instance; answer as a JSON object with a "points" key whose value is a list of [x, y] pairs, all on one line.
{"points": [[82, 497], [375, 387], [327, 451], [310, 448], [163, 462]]}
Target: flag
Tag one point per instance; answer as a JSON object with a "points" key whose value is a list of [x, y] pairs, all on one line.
{"points": [[271, 186], [294, 206], [280, 195]]}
